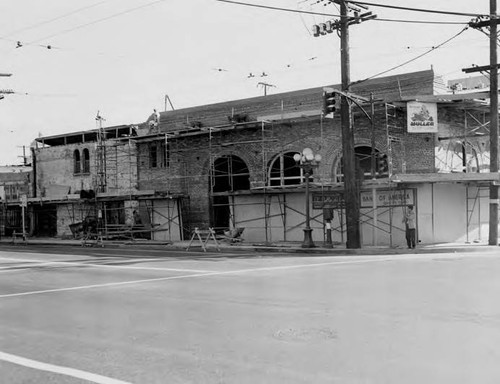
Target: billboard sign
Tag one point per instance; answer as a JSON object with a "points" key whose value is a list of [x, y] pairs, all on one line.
{"points": [[422, 117]]}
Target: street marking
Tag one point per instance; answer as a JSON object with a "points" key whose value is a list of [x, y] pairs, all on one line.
{"points": [[91, 377], [37, 263], [130, 282], [23, 266]]}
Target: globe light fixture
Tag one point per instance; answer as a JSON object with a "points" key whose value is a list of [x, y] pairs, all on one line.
{"points": [[307, 161]]}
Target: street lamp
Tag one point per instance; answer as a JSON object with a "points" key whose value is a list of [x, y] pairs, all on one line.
{"points": [[307, 160]]}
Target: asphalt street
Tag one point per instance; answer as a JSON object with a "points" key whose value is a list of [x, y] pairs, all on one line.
{"points": [[114, 316]]}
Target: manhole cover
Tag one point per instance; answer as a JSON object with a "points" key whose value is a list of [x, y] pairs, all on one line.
{"points": [[305, 334]]}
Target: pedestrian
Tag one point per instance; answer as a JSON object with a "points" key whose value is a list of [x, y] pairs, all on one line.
{"points": [[410, 226]]}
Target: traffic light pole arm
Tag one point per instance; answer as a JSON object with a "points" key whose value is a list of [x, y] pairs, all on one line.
{"points": [[346, 95]]}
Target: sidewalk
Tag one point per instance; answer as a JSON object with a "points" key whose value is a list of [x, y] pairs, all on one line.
{"points": [[278, 247]]}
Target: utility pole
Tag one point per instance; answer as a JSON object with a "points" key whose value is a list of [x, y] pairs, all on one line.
{"points": [[101, 155], [493, 228], [24, 157], [351, 189], [492, 23], [265, 86], [351, 186]]}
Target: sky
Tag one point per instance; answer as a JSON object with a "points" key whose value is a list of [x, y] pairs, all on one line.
{"points": [[124, 58]]}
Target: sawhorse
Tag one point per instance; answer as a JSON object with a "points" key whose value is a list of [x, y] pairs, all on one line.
{"points": [[203, 237], [92, 239], [21, 235]]}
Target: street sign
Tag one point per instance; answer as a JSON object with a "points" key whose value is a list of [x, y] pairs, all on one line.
{"points": [[384, 198], [322, 200], [387, 198]]}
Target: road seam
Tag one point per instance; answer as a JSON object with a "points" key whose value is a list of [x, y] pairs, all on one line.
{"points": [[37, 263], [240, 271]]}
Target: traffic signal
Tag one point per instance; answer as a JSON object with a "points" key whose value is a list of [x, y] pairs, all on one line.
{"points": [[331, 101], [382, 163], [324, 28]]}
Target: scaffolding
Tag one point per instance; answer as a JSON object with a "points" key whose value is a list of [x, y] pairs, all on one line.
{"points": [[114, 207], [278, 218], [276, 210], [465, 150]]}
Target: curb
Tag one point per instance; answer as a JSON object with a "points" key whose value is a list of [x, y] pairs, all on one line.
{"points": [[267, 248]]}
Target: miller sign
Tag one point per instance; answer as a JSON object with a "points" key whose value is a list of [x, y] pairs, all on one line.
{"points": [[422, 117]]}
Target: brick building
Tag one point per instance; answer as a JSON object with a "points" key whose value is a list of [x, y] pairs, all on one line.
{"points": [[88, 180], [231, 164], [15, 187]]}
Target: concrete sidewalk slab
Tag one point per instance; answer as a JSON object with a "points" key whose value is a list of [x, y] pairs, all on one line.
{"points": [[279, 247]]}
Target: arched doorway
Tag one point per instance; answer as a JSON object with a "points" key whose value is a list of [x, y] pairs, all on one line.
{"points": [[229, 174], [363, 157]]}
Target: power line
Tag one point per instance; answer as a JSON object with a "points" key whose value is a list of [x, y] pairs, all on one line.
{"points": [[334, 15], [279, 8], [419, 9], [422, 21], [100, 20], [19, 44], [415, 58], [53, 19]]}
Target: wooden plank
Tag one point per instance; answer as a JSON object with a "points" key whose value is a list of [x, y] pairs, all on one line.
{"points": [[448, 97], [444, 177]]}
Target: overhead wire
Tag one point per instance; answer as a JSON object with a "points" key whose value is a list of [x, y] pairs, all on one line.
{"points": [[274, 8], [303, 21], [380, 19], [487, 34], [336, 15], [421, 21], [415, 58], [99, 20], [20, 43], [53, 19], [425, 10]]}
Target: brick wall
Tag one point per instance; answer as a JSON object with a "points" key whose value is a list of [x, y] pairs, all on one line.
{"points": [[257, 146], [387, 88], [55, 169], [246, 129]]}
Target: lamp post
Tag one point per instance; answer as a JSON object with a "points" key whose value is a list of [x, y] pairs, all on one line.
{"points": [[307, 161]]}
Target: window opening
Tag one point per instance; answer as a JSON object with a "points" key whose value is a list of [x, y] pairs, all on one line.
{"points": [[230, 173], [153, 156], [364, 164], [86, 161], [284, 171], [158, 155], [76, 162]]}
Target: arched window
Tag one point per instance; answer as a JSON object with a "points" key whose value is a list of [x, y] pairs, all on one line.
{"points": [[230, 173], [459, 156], [363, 157], [86, 161], [284, 170], [76, 162]]}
